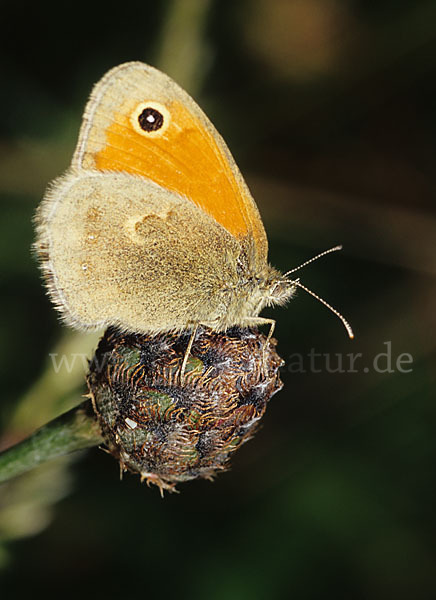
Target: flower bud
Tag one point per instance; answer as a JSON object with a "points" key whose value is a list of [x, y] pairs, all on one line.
{"points": [[170, 426]]}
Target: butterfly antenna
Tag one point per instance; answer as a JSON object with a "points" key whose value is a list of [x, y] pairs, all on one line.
{"points": [[333, 310], [311, 260]]}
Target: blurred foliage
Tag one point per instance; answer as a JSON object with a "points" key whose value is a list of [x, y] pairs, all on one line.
{"points": [[328, 107]]}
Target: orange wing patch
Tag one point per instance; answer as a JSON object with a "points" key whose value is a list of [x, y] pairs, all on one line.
{"points": [[185, 159]]}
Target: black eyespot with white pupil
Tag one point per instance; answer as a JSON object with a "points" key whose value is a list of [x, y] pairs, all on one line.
{"points": [[150, 119]]}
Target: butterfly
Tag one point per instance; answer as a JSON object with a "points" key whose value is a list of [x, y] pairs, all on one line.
{"points": [[152, 228]]}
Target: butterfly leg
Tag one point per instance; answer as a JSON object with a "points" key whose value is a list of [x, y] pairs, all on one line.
{"points": [[263, 321], [188, 352]]}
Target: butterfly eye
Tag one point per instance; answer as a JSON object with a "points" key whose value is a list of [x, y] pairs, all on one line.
{"points": [[150, 119]]}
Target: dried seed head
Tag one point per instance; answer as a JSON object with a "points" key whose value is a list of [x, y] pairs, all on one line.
{"points": [[171, 428]]}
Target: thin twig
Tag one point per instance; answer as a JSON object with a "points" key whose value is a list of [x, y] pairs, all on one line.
{"points": [[74, 430]]}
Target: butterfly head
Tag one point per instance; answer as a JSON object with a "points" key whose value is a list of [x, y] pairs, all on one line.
{"points": [[275, 289]]}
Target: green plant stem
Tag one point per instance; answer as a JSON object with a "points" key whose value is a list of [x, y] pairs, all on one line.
{"points": [[74, 430], [183, 48]]}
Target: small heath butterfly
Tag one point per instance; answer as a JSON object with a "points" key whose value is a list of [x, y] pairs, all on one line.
{"points": [[152, 228]]}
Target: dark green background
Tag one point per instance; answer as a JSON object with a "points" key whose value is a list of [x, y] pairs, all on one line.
{"points": [[329, 108]]}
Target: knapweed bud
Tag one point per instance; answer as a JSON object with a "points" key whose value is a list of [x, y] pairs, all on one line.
{"points": [[170, 426]]}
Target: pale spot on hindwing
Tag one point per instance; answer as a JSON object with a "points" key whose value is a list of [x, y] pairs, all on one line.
{"points": [[141, 227]]}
